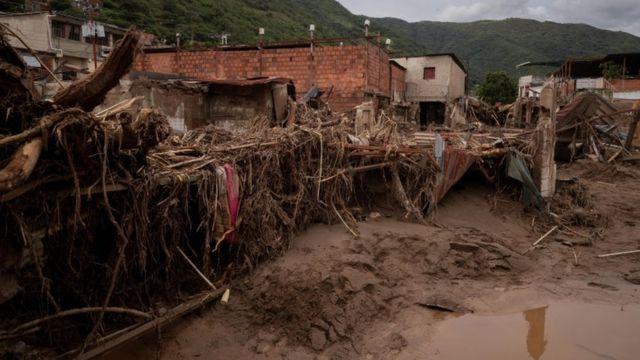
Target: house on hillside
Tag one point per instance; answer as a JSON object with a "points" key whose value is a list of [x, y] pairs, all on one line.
{"points": [[65, 44], [432, 81], [622, 84]]}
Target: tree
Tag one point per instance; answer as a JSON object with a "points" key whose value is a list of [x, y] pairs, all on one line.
{"points": [[60, 5], [498, 87], [611, 70]]}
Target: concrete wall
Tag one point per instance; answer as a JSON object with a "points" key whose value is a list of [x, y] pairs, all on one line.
{"points": [[457, 81], [530, 82], [449, 82], [229, 107], [352, 70]]}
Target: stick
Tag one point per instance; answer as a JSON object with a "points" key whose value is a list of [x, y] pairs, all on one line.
{"points": [[115, 310], [358, 169], [172, 315], [620, 253], [123, 105], [344, 222], [545, 235], [195, 268]]}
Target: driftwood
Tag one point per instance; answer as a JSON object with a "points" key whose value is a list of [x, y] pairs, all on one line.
{"points": [[63, 314], [172, 315], [553, 229], [90, 92], [401, 196], [620, 253], [21, 165], [632, 130]]}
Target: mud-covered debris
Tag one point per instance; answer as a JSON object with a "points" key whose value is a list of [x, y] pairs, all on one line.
{"points": [[317, 338]]}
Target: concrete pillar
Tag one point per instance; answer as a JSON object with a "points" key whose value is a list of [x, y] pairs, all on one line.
{"points": [[544, 172]]}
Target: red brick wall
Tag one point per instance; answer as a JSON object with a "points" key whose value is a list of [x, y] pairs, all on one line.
{"points": [[351, 69], [626, 85], [398, 82]]}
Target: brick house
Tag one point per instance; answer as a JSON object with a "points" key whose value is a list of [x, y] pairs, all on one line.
{"points": [[349, 70]]}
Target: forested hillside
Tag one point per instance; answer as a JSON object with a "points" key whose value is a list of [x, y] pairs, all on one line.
{"points": [[483, 45]]}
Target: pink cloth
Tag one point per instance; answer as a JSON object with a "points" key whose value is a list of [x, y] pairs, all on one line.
{"points": [[234, 204]]}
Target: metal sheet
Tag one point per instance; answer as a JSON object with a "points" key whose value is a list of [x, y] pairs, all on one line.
{"points": [[456, 163], [31, 61], [280, 101]]}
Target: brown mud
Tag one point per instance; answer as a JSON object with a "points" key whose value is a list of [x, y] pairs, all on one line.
{"points": [[401, 290]]}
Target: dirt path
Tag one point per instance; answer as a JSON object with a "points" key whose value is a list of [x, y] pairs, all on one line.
{"points": [[336, 297]]}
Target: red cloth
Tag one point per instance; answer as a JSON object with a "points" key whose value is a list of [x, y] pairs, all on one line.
{"points": [[234, 204]]}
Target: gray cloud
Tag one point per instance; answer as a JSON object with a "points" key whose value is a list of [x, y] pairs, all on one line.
{"points": [[491, 9], [621, 15]]}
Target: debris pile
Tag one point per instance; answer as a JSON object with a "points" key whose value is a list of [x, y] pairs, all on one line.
{"points": [[112, 219]]}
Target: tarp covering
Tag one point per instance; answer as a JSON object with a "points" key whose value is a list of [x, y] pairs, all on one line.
{"points": [[518, 170]]}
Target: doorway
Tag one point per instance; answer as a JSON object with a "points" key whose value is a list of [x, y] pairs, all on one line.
{"points": [[431, 113]]}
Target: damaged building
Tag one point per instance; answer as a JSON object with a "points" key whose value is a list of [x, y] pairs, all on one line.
{"points": [[432, 81], [621, 84], [228, 104], [348, 71], [63, 44]]}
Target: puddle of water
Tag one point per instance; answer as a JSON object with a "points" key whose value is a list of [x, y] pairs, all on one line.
{"points": [[555, 332]]}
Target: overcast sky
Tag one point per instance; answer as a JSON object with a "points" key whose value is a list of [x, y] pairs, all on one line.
{"points": [[607, 14]]}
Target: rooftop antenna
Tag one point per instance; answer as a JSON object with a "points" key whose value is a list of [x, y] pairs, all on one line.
{"points": [[367, 23]]}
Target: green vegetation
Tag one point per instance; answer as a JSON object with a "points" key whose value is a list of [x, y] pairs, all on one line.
{"points": [[498, 87], [611, 70], [484, 46]]}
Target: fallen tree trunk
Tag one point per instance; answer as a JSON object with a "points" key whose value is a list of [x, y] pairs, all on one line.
{"points": [[90, 92]]}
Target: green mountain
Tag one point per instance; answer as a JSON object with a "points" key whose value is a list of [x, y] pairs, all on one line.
{"points": [[483, 45]]}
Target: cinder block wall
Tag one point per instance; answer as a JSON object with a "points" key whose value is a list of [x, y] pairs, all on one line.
{"points": [[352, 70]]}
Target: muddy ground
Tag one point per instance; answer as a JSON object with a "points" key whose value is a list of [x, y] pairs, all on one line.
{"points": [[333, 296]]}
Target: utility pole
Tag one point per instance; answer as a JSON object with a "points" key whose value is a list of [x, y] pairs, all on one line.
{"points": [[91, 9]]}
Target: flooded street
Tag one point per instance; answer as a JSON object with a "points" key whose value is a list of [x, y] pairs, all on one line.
{"points": [[557, 331]]}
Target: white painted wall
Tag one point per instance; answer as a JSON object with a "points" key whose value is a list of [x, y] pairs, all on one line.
{"points": [[449, 82], [627, 95], [32, 28], [534, 83]]}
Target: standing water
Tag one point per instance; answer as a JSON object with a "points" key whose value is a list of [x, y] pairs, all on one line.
{"points": [[555, 332]]}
